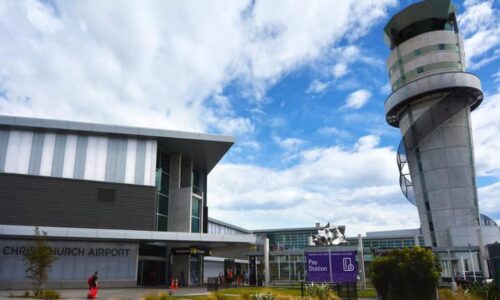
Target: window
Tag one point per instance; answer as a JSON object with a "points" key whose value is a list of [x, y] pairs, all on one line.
{"points": [[442, 46], [196, 176], [195, 215], [420, 70], [418, 52], [162, 190], [106, 195], [162, 223], [162, 204]]}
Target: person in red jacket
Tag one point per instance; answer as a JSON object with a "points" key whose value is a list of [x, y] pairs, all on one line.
{"points": [[92, 282]]}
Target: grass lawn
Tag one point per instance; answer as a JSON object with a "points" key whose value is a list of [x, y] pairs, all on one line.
{"points": [[368, 293], [244, 293]]}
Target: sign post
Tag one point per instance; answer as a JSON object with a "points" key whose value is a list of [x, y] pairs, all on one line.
{"points": [[332, 267]]}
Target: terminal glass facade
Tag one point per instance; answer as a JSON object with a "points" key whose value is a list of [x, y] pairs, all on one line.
{"points": [[285, 240], [162, 188], [196, 214]]}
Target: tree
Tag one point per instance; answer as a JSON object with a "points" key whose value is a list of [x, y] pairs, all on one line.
{"points": [[39, 259], [410, 274]]}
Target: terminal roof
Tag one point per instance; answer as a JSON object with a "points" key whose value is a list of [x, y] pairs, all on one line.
{"points": [[205, 149]]}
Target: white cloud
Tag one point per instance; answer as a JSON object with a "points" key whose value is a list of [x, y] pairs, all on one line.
{"points": [[253, 145], [488, 200], [358, 99], [367, 142], [234, 126], [386, 89], [486, 131], [480, 26], [339, 70], [317, 86], [157, 63], [42, 17], [289, 144], [357, 187], [335, 132]]}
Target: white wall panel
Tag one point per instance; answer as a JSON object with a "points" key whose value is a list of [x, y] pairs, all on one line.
{"points": [[47, 154], [90, 159], [18, 152], [150, 164], [100, 162], [69, 156], [130, 161]]}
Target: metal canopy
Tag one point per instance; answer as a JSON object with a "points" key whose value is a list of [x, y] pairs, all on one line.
{"points": [[179, 239]]}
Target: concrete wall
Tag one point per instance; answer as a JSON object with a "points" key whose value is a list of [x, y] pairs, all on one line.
{"points": [[76, 261], [442, 170], [48, 201], [179, 204]]}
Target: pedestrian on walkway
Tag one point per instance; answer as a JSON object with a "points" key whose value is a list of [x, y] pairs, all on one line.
{"points": [[92, 283]]}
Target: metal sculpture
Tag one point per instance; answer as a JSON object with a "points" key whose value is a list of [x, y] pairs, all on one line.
{"points": [[329, 235]]}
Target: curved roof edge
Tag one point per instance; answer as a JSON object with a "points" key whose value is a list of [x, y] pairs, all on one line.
{"points": [[431, 83]]}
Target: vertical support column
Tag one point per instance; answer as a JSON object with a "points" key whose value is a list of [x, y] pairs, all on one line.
{"points": [[482, 257], [362, 258], [266, 263]]}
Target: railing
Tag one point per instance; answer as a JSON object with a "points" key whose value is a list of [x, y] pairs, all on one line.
{"points": [[216, 283]]}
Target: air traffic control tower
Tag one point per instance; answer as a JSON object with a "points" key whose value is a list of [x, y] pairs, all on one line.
{"points": [[431, 102]]}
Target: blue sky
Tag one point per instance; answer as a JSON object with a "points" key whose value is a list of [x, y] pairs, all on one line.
{"points": [[300, 84]]}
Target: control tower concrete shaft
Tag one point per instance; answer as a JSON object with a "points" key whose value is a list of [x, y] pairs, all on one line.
{"points": [[431, 101]]}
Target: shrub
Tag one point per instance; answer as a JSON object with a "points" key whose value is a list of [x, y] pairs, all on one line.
{"points": [[410, 274], [260, 296], [447, 294], [160, 296], [485, 291], [321, 291], [49, 294]]}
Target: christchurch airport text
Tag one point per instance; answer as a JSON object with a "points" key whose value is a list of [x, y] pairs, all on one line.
{"points": [[68, 251]]}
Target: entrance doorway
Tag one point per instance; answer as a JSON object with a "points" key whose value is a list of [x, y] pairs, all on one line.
{"points": [[151, 272]]}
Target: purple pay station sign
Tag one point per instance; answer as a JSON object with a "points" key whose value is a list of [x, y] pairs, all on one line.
{"points": [[331, 266]]}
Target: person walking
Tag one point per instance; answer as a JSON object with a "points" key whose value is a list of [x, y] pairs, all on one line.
{"points": [[92, 283]]}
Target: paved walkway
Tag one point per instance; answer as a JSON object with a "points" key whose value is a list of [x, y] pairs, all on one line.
{"points": [[118, 294]]}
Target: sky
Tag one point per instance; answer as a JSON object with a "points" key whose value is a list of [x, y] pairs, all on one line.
{"points": [[299, 84]]}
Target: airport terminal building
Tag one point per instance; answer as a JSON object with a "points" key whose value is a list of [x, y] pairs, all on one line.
{"points": [[132, 204], [128, 202]]}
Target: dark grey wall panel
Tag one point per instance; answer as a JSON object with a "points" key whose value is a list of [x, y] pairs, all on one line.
{"points": [[36, 153], [58, 161], [4, 141], [46, 201], [81, 154]]}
